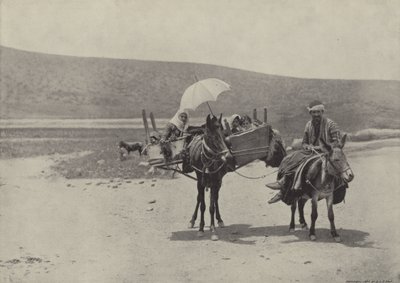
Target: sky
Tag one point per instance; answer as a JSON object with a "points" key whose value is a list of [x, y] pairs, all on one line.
{"points": [[336, 39]]}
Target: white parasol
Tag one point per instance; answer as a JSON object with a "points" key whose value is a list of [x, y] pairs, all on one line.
{"points": [[203, 91]]}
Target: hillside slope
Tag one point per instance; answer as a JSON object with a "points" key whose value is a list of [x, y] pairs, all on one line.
{"points": [[35, 85]]}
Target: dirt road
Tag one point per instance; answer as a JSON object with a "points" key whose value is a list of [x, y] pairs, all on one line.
{"points": [[58, 230]]}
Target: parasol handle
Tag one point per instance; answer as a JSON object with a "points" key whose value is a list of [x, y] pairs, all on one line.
{"points": [[209, 107]]}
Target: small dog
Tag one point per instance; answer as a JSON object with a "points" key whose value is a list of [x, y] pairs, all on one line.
{"points": [[127, 147]]}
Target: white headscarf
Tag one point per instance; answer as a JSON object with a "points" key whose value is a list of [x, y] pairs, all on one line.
{"points": [[178, 123], [232, 118]]}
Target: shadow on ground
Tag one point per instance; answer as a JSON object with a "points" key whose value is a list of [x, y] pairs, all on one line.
{"points": [[239, 234]]}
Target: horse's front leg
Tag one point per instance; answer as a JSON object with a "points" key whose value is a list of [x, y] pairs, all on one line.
{"points": [[302, 221], [314, 216], [217, 214], [292, 225], [196, 209], [214, 235], [331, 217], [201, 201]]}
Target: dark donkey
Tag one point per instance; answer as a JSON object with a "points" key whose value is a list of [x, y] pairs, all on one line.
{"points": [[211, 159], [325, 178]]}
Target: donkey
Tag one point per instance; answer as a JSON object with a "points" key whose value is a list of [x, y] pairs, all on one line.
{"points": [[325, 178], [210, 158]]}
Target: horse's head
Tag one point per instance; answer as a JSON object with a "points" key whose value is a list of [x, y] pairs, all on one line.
{"points": [[337, 164], [213, 124], [276, 151], [214, 140]]}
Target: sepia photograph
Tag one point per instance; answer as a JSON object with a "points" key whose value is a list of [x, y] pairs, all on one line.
{"points": [[199, 141]]}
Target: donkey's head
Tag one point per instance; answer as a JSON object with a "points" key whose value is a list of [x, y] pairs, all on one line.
{"points": [[337, 164]]}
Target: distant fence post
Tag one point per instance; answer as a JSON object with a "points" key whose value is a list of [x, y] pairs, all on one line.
{"points": [[146, 125], [255, 114], [153, 121], [265, 115]]}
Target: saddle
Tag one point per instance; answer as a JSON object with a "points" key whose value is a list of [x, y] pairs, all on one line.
{"points": [[301, 175], [293, 187]]}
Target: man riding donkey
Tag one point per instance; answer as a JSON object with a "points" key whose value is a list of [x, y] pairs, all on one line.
{"points": [[318, 128]]}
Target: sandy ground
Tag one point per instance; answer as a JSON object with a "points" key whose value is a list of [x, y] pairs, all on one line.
{"points": [[58, 230]]}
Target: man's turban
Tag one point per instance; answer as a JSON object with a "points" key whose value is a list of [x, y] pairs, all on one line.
{"points": [[316, 105]]}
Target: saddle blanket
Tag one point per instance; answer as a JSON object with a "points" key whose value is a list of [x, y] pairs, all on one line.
{"points": [[296, 184]]}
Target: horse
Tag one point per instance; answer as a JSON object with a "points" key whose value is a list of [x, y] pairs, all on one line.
{"points": [[127, 147], [325, 178], [211, 159]]}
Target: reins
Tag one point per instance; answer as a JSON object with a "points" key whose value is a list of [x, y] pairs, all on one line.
{"points": [[330, 162], [326, 169], [336, 169], [254, 178]]}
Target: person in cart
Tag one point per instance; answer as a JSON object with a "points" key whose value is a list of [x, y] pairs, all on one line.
{"points": [[174, 129], [234, 123], [246, 123], [178, 127], [319, 127]]}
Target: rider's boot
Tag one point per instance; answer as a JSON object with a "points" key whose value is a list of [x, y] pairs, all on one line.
{"points": [[278, 185]]}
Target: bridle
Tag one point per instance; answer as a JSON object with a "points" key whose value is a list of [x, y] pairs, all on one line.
{"points": [[210, 157], [338, 170]]}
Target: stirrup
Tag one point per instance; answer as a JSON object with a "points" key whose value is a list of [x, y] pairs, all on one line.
{"points": [[275, 199]]}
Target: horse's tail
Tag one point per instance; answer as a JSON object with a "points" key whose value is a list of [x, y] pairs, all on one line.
{"points": [[276, 152]]}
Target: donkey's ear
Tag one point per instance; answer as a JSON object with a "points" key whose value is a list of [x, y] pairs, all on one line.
{"points": [[220, 119], [208, 121], [327, 146], [343, 141]]}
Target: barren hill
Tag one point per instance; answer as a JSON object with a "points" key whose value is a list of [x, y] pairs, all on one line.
{"points": [[35, 85]]}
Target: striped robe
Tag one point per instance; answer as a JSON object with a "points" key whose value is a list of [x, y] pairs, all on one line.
{"points": [[328, 131]]}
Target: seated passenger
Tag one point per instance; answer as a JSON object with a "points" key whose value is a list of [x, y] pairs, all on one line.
{"points": [[174, 129], [176, 126], [234, 123], [246, 123]]}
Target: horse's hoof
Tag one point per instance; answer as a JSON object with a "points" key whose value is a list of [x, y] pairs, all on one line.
{"points": [[221, 224], [214, 237], [200, 234], [304, 227], [291, 230], [337, 239], [191, 224], [313, 237]]}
